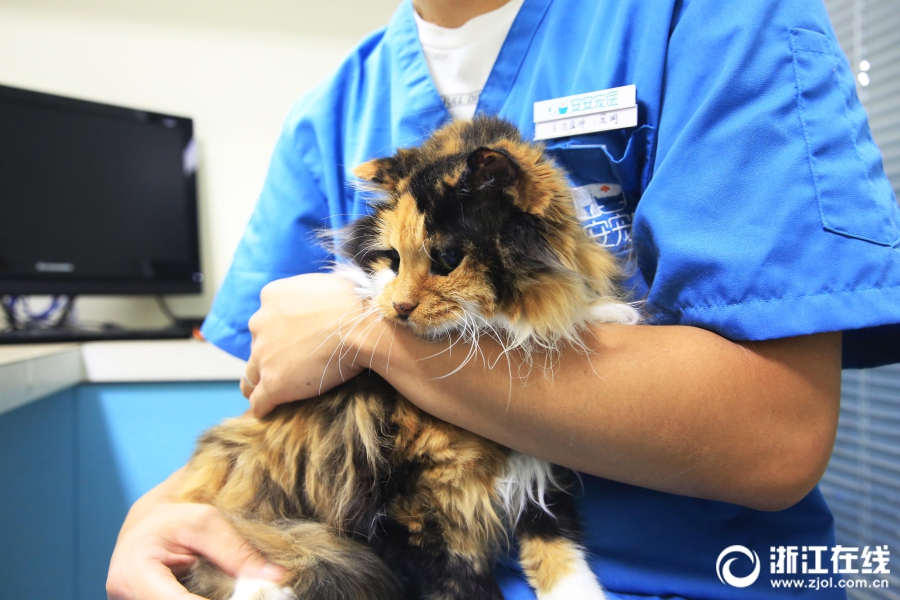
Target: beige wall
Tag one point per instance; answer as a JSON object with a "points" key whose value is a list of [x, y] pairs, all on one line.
{"points": [[332, 18], [235, 73]]}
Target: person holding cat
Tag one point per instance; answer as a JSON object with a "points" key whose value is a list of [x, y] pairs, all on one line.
{"points": [[750, 200]]}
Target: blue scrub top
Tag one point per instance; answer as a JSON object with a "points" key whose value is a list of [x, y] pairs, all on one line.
{"points": [[754, 205]]}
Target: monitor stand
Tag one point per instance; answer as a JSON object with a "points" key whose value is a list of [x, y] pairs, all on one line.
{"points": [[62, 330]]}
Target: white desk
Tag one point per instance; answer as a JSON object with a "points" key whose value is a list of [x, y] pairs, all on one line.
{"points": [[29, 372]]}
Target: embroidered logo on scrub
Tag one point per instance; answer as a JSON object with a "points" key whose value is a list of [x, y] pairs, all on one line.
{"points": [[602, 209]]}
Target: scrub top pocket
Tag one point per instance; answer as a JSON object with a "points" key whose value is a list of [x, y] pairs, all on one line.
{"points": [[607, 184], [854, 197]]}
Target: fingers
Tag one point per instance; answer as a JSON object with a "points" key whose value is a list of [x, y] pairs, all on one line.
{"points": [[148, 581], [251, 373], [299, 345], [246, 388], [261, 402], [211, 535], [267, 295], [142, 568], [166, 540], [251, 376]]}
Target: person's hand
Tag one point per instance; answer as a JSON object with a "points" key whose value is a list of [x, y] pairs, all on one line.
{"points": [[161, 539], [305, 338]]}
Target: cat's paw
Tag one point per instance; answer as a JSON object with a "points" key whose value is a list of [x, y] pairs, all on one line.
{"points": [[260, 589], [580, 584]]}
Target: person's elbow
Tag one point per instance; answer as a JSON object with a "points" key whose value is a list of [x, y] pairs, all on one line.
{"points": [[795, 463]]}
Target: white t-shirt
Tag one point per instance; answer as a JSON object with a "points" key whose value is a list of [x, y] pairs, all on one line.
{"points": [[460, 59]]}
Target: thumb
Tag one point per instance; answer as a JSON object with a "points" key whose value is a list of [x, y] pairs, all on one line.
{"points": [[213, 536]]}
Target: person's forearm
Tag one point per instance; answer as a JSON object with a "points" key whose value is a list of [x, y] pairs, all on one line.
{"points": [[676, 409]]}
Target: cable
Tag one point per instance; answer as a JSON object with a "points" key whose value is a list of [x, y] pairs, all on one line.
{"points": [[26, 308], [9, 309], [66, 311], [61, 305], [161, 302]]}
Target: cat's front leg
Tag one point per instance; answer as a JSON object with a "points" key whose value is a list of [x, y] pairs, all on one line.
{"points": [[550, 551], [558, 570]]}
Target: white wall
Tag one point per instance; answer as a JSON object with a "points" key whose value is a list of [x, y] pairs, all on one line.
{"points": [[331, 18], [236, 82]]}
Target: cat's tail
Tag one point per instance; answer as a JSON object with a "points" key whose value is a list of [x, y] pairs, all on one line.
{"points": [[321, 566]]}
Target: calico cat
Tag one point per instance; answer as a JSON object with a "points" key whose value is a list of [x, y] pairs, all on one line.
{"points": [[360, 494]]}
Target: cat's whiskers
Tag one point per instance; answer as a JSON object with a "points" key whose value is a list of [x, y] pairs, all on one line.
{"points": [[325, 370], [469, 325], [471, 334], [349, 311], [466, 330], [338, 243], [342, 344], [504, 353], [464, 362], [334, 243], [339, 348], [351, 215], [362, 333], [375, 347], [337, 331], [345, 332], [496, 336], [363, 185], [453, 341], [475, 338], [365, 248], [391, 349]]}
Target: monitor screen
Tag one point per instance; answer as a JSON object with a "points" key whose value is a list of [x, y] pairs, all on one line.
{"points": [[95, 199]]}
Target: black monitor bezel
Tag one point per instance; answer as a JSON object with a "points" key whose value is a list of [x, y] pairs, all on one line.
{"points": [[45, 285]]}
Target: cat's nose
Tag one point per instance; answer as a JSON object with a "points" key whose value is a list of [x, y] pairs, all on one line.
{"points": [[404, 309]]}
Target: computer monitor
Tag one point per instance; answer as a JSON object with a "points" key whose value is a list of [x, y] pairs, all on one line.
{"points": [[95, 199]]}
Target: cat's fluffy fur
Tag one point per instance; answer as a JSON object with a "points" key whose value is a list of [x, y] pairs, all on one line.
{"points": [[360, 494]]}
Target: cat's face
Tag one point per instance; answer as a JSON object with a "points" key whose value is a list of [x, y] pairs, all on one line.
{"points": [[476, 229]]}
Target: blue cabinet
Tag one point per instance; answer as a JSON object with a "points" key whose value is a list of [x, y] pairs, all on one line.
{"points": [[37, 500], [74, 462]]}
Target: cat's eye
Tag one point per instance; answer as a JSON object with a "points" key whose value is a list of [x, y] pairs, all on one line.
{"points": [[451, 258], [394, 257], [443, 262]]}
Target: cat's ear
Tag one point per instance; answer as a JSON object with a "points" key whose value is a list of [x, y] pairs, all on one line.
{"points": [[386, 172], [487, 167], [495, 169]]}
